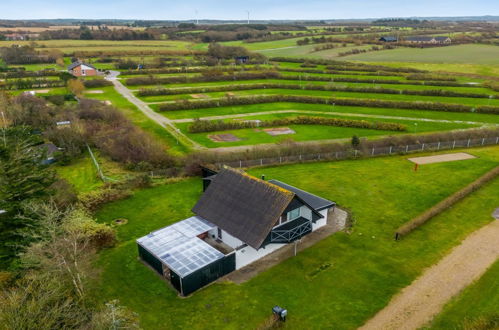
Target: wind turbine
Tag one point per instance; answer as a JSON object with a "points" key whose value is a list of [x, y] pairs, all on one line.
{"points": [[247, 11], [197, 18]]}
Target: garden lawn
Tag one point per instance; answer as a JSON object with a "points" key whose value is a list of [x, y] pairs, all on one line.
{"points": [[367, 266], [476, 303]]}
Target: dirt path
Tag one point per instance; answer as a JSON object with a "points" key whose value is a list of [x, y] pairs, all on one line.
{"points": [[153, 115], [336, 222], [419, 302]]}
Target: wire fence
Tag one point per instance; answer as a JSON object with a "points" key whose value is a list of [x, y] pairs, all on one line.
{"points": [[98, 168], [363, 153]]}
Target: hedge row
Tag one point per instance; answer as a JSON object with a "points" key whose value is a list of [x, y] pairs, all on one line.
{"points": [[227, 88], [446, 203], [199, 126], [231, 101], [31, 83], [276, 75], [432, 77], [25, 74], [337, 71], [183, 79], [186, 69], [290, 148], [97, 83], [346, 65]]}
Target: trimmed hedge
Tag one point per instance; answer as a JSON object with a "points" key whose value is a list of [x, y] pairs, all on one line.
{"points": [[231, 101], [199, 126], [227, 88], [31, 83], [446, 203], [276, 75], [97, 83], [346, 65], [182, 79], [186, 69]]}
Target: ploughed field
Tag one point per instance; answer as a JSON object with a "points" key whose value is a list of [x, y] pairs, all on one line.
{"points": [[246, 99]]}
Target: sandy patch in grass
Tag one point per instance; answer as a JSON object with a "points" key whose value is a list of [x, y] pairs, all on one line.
{"points": [[224, 138], [441, 158], [42, 91], [200, 96], [94, 92], [279, 131]]}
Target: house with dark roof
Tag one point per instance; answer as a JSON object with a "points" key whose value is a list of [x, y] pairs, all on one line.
{"points": [[82, 69], [388, 39], [428, 40], [238, 220]]}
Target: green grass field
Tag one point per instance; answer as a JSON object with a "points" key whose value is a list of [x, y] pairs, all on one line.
{"points": [[368, 266], [252, 136], [476, 303]]}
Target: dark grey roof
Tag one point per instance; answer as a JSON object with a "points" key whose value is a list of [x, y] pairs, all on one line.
{"points": [[242, 205], [314, 201], [388, 38], [50, 148], [75, 64], [426, 38]]}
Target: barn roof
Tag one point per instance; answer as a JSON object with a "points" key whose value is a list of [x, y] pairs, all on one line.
{"points": [[314, 201], [242, 205], [78, 63]]}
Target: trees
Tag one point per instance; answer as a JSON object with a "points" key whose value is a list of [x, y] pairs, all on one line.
{"points": [[76, 87], [22, 179]]}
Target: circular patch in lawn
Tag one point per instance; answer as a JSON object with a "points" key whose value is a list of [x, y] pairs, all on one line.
{"points": [[120, 221]]}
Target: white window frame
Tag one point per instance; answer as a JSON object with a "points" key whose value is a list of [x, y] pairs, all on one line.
{"points": [[290, 214]]}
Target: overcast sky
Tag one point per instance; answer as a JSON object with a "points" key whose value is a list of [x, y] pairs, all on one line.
{"points": [[232, 9]]}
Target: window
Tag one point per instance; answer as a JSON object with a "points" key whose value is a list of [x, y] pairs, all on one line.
{"points": [[82, 72], [293, 214]]}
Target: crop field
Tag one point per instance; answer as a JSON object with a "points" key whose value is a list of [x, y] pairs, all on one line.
{"points": [[466, 54], [103, 45], [367, 267]]}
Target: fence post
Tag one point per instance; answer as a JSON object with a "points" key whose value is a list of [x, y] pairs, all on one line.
{"points": [[453, 144], [336, 154], [355, 152], [391, 149], [280, 159], [469, 142], [407, 148], [497, 140], [261, 161], [422, 147], [240, 164], [483, 141], [300, 157], [438, 148], [319, 156], [372, 153]]}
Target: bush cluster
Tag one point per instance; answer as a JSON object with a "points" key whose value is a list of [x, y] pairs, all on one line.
{"points": [[31, 83], [218, 125], [374, 103]]}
